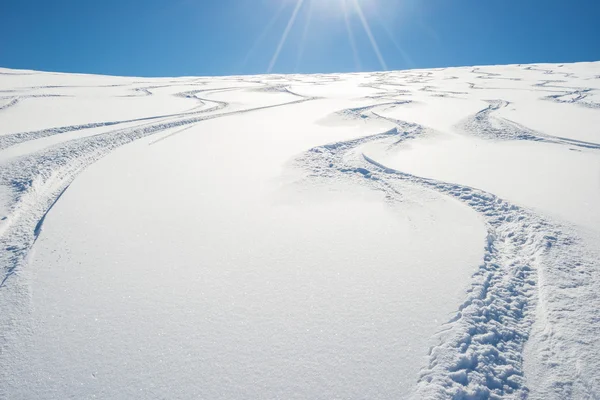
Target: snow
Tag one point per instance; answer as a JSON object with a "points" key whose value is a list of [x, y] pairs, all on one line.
{"points": [[423, 234], [566, 181]]}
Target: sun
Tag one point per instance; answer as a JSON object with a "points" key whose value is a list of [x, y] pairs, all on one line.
{"points": [[353, 9], [353, 13]]}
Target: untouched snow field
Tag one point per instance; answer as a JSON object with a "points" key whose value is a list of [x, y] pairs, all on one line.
{"points": [[425, 234]]}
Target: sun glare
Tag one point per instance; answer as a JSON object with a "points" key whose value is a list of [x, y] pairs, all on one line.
{"points": [[350, 11]]}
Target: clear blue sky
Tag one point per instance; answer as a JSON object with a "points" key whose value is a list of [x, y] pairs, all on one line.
{"points": [[225, 37]]}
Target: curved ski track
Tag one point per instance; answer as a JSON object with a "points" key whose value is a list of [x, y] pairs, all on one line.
{"points": [[479, 354], [13, 139], [36, 180], [485, 124], [533, 270], [13, 102]]}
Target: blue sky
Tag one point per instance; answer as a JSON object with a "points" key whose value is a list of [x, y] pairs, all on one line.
{"points": [[225, 37]]}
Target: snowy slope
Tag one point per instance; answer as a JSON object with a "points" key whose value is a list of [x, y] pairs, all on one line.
{"points": [[424, 234]]}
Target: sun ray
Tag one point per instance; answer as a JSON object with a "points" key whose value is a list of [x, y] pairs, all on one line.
{"points": [[357, 62], [369, 33], [304, 35], [286, 32], [263, 34], [405, 56]]}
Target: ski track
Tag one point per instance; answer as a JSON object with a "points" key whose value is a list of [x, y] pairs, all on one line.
{"points": [[484, 124], [490, 75], [11, 103], [20, 137], [13, 139], [36, 180], [141, 92], [534, 270], [576, 97], [479, 354], [549, 71]]}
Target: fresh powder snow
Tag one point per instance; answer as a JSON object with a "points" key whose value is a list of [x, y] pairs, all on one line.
{"points": [[421, 234]]}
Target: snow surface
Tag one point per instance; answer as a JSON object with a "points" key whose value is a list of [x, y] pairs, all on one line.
{"points": [[424, 234]]}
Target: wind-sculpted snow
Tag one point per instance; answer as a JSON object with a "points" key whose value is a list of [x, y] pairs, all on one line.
{"points": [[529, 321]]}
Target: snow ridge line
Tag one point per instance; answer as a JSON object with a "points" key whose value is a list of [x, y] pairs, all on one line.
{"points": [[37, 179], [533, 271]]}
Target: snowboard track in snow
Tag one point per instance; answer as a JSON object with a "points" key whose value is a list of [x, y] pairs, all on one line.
{"points": [[479, 354], [37, 180], [13, 139], [534, 277], [484, 124], [11, 103]]}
